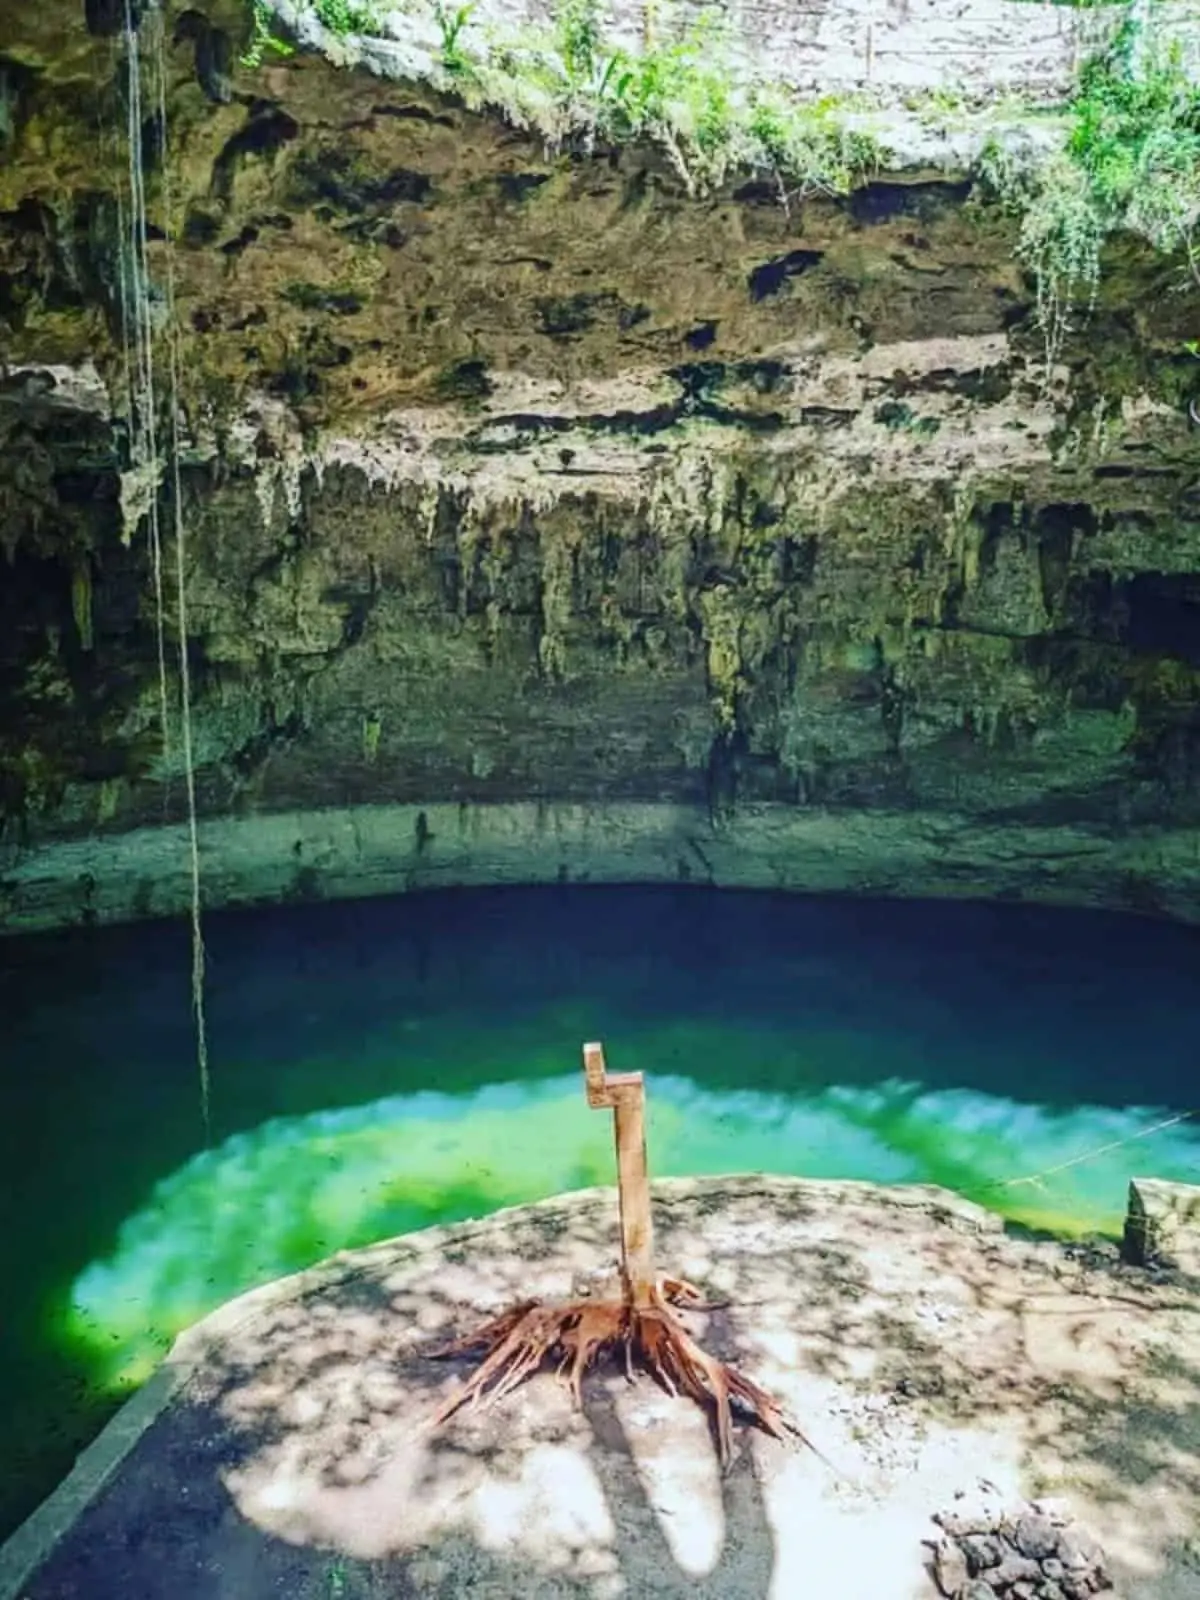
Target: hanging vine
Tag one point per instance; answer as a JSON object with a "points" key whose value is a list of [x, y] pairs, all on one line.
{"points": [[147, 462]]}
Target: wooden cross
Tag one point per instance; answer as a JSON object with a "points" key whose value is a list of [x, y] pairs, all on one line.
{"points": [[643, 1321], [625, 1094]]}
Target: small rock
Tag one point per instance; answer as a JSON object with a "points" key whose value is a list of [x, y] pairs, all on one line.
{"points": [[950, 1569], [982, 1550], [963, 1527], [1052, 1569], [1076, 1551], [1036, 1536], [1077, 1586], [1057, 1511], [978, 1590], [1023, 1591], [1015, 1569]]}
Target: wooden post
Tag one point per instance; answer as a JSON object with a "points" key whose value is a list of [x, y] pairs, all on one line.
{"points": [[625, 1094]]}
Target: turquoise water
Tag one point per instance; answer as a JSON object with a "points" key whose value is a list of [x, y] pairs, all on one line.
{"points": [[379, 1066]]}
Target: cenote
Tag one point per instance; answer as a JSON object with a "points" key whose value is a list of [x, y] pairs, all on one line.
{"points": [[382, 1065]]}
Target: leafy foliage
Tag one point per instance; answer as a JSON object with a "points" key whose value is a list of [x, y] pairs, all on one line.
{"points": [[1131, 162], [685, 95], [264, 38], [572, 84], [346, 16], [452, 24]]}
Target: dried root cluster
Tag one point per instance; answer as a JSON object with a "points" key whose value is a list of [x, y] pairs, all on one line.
{"points": [[574, 1336]]}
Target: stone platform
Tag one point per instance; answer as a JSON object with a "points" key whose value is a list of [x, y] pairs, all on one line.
{"points": [[929, 1356]]}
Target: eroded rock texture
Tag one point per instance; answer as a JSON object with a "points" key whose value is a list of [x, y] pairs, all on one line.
{"points": [[652, 536]]}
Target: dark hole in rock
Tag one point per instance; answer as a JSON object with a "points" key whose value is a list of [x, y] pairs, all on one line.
{"points": [[563, 315], [766, 376], [294, 382], [1164, 615], [752, 421], [200, 228], [214, 65], [798, 558], [414, 113], [240, 241], [466, 380], [876, 203], [699, 378], [15, 83], [757, 193], [701, 336], [400, 185], [106, 17], [189, 25], [312, 297], [263, 135], [30, 216], [1055, 529], [770, 277], [152, 142], [1015, 314], [85, 488], [519, 186], [825, 417], [989, 384], [335, 178]]}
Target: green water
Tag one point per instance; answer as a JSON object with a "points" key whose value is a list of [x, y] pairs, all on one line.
{"points": [[381, 1066]]}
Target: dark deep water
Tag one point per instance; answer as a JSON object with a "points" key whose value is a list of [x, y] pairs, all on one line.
{"points": [[381, 1065]]}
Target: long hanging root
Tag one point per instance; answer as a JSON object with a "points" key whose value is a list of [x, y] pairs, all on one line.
{"points": [[517, 1344]]}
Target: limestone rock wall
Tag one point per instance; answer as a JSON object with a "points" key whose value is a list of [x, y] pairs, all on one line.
{"points": [[528, 499]]}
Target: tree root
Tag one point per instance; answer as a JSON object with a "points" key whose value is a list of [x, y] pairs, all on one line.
{"points": [[516, 1344]]}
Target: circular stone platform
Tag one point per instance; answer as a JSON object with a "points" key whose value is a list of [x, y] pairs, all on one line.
{"points": [[927, 1354]]}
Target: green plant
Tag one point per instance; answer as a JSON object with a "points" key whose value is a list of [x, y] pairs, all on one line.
{"points": [[263, 38], [346, 16], [685, 95], [811, 148], [1131, 162], [452, 24], [339, 16]]}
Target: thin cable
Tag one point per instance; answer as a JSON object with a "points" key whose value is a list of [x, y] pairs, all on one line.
{"points": [[1034, 1179], [185, 689]]}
